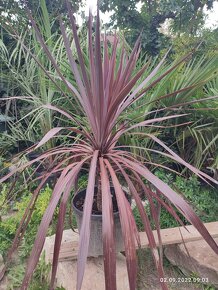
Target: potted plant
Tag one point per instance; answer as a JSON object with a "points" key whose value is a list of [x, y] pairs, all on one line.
{"points": [[106, 87]]}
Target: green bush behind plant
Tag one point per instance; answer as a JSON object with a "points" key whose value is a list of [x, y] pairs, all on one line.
{"points": [[204, 199], [10, 216], [13, 214]]}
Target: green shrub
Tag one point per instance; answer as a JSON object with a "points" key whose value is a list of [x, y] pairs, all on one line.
{"points": [[204, 200], [13, 215], [40, 279], [8, 227]]}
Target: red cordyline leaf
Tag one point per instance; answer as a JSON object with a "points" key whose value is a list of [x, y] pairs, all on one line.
{"points": [[77, 150], [84, 99], [168, 207], [123, 77], [91, 59], [114, 80], [142, 158], [146, 223], [122, 85], [70, 117], [99, 79], [79, 51], [85, 227], [109, 90], [114, 138], [181, 205], [155, 211], [201, 174], [134, 97], [172, 107], [106, 65], [142, 85], [54, 131], [149, 193], [108, 230], [172, 156], [67, 176], [59, 230], [128, 226], [130, 63], [57, 169], [49, 135], [29, 163], [126, 89], [175, 199]]}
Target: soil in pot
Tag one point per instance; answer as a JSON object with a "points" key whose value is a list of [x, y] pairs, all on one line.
{"points": [[95, 243]]}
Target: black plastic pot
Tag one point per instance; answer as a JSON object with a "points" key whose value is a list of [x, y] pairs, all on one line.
{"points": [[95, 243]]}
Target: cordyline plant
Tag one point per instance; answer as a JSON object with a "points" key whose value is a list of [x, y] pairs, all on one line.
{"points": [[105, 88]]}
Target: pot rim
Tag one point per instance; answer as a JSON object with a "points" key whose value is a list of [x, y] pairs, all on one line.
{"points": [[80, 213]]}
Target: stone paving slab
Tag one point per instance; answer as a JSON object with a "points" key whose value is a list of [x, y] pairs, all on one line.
{"points": [[94, 273]]}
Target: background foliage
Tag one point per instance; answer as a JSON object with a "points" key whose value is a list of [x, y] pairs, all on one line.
{"points": [[186, 17]]}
